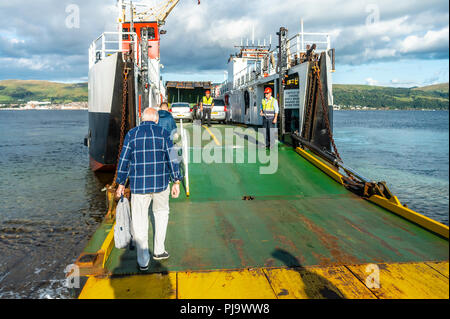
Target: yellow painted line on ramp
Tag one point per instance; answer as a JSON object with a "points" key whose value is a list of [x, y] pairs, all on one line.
{"points": [[212, 135]]}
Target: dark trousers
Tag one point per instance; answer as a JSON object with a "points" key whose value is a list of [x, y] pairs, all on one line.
{"points": [[206, 111], [268, 132]]}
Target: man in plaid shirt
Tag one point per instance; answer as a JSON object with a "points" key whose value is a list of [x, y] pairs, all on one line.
{"points": [[150, 162]]}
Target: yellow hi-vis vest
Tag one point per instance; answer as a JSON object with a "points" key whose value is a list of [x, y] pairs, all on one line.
{"points": [[207, 102], [268, 107]]}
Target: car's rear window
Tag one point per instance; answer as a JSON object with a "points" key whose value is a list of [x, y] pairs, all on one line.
{"points": [[180, 105], [219, 103]]}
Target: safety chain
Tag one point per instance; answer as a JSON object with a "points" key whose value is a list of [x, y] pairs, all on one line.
{"points": [[122, 126], [325, 111], [312, 90], [364, 189]]}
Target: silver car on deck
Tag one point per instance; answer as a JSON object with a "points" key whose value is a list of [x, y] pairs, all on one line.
{"points": [[181, 110], [219, 111]]}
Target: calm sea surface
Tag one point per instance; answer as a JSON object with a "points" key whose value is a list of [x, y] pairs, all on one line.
{"points": [[407, 149], [51, 202]]}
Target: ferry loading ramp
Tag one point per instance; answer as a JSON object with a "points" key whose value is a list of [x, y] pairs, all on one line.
{"points": [[297, 233]]}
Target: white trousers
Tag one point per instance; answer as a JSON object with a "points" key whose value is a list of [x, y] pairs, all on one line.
{"points": [[139, 212]]}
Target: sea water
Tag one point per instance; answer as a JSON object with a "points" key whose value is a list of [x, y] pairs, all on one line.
{"points": [[51, 202]]}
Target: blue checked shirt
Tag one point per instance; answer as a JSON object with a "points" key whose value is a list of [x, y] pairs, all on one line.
{"points": [[148, 159]]}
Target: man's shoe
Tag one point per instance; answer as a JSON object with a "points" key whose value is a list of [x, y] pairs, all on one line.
{"points": [[143, 268], [163, 256]]}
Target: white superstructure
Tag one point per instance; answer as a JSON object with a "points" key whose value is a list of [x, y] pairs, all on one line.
{"points": [[256, 67]]}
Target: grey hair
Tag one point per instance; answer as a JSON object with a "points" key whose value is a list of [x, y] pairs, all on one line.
{"points": [[150, 114]]}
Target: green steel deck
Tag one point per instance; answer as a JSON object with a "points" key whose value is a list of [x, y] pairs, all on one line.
{"points": [[299, 217]]}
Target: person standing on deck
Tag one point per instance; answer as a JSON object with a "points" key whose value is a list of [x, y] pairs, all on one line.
{"points": [[269, 113], [148, 160], [166, 121], [310, 52], [206, 106]]}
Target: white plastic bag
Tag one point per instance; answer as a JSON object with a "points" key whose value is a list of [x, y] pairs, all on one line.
{"points": [[122, 232]]}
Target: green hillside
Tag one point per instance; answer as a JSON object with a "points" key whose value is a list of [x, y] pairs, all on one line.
{"points": [[442, 87], [21, 91], [428, 97]]}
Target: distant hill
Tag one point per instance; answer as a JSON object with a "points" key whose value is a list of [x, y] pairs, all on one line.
{"points": [[442, 87], [427, 97], [22, 91]]}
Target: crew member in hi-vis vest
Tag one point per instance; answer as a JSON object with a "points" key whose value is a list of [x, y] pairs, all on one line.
{"points": [[269, 112], [206, 106]]}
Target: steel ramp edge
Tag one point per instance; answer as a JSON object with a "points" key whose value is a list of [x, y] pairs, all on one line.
{"points": [[424, 280], [393, 205]]}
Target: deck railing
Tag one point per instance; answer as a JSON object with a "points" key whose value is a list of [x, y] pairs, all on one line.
{"points": [[109, 43], [296, 47], [298, 43], [184, 150]]}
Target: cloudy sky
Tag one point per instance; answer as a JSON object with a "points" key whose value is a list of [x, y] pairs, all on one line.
{"points": [[396, 43]]}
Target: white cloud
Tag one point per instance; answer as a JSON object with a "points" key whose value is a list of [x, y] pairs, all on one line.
{"points": [[32, 64], [378, 53], [402, 83], [432, 40], [200, 38], [16, 41], [370, 81]]}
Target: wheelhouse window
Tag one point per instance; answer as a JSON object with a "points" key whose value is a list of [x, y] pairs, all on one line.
{"points": [[125, 36], [151, 33]]}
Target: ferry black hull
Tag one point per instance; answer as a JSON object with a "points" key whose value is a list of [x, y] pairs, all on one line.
{"points": [[104, 141], [105, 112]]}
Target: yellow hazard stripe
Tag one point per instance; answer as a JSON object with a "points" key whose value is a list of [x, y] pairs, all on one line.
{"points": [[396, 280], [393, 205], [321, 165], [107, 245], [411, 215]]}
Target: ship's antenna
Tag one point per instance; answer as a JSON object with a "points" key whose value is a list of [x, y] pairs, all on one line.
{"points": [[303, 36], [253, 35], [131, 20]]}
